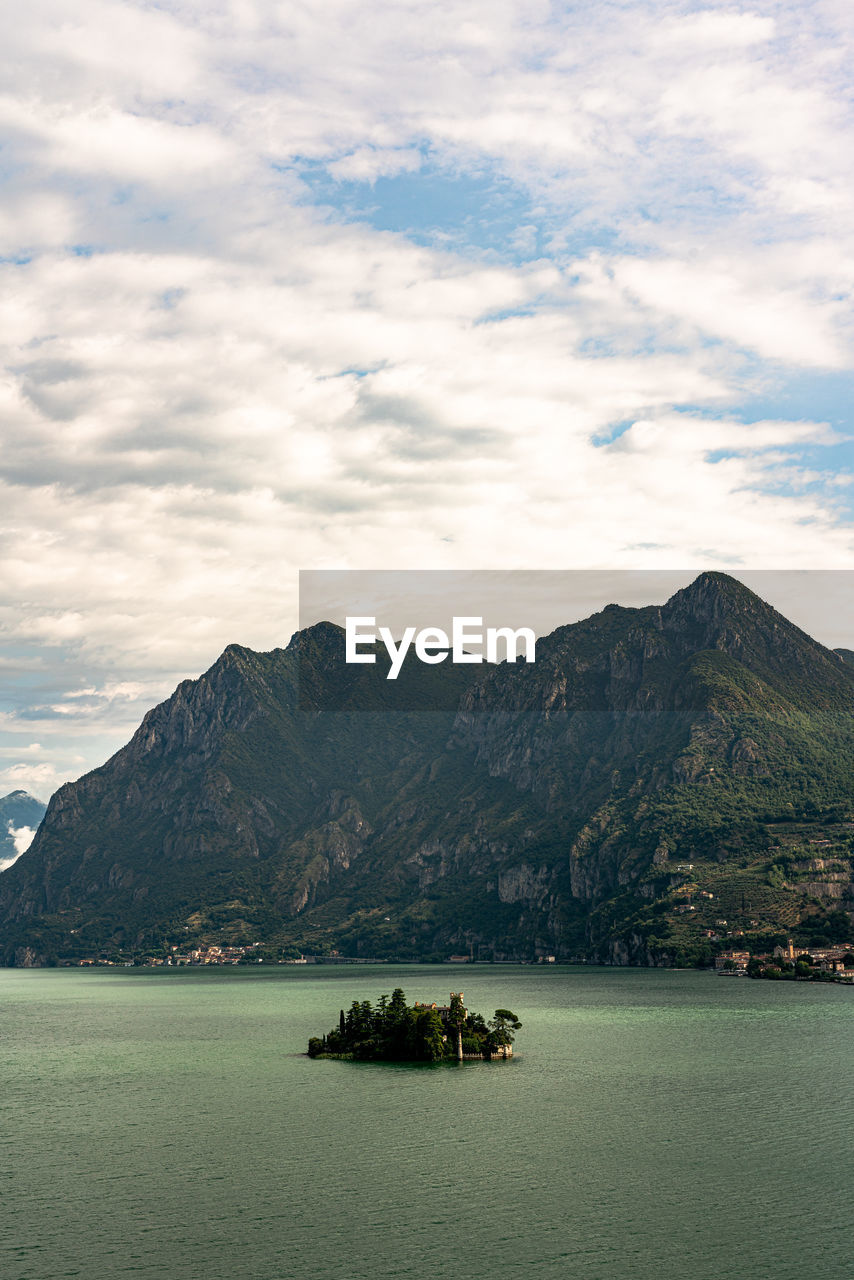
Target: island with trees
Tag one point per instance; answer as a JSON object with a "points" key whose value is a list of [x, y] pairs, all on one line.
{"points": [[393, 1031]]}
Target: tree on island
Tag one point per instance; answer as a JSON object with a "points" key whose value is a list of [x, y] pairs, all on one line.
{"points": [[457, 1020], [503, 1025], [426, 1040]]}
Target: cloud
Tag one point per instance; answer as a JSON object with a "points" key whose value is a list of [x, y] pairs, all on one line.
{"points": [[115, 144], [22, 838], [368, 163], [729, 301], [37, 779], [218, 367]]}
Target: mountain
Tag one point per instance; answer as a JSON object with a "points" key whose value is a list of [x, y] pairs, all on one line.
{"points": [[656, 772], [20, 813]]}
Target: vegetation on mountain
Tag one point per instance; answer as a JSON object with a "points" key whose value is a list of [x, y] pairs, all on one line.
{"points": [[393, 1031], [660, 780]]}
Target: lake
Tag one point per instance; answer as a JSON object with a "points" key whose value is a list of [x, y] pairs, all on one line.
{"points": [[654, 1125]]}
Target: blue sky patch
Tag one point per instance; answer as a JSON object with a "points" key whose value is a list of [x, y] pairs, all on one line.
{"points": [[438, 208]]}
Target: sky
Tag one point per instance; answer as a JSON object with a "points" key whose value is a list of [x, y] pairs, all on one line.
{"points": [[819, 601], [459, 285]]}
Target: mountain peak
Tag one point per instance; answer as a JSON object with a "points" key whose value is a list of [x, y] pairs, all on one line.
{"points": [[714, 584], [20, 797], [717, 598], [322, 635]]}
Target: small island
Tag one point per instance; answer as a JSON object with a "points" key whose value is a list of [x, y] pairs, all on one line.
{"points": [[394, 1031]]}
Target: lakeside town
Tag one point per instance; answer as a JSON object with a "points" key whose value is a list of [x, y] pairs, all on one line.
{"points": [[823, 964], [251, 953]]}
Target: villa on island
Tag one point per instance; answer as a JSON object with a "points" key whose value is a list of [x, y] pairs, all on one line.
{"points": [[453, 1028]]}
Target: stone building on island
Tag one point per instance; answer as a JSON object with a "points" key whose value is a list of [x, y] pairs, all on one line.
{"points": [[453, 1018]]}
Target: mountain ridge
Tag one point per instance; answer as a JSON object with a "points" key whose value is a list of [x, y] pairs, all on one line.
{"points": [[537, 811]]}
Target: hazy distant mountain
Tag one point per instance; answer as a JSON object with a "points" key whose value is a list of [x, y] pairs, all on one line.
{"points": [[20, 815], [550, 809]]}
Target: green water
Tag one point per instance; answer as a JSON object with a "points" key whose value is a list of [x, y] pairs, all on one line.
{"points": [[654, 1126]]}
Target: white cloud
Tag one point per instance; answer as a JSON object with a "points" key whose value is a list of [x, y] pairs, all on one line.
{"points": [[115, 144], [711, 30], [22, 837], [745, 306], [208, 382], [366, 164], [37, 779]]}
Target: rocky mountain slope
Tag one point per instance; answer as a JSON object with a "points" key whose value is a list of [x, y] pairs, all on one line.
{"points": [[657, 771]]}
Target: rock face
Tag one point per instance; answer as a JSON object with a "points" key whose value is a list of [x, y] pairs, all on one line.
{"points": [[509, 812]]}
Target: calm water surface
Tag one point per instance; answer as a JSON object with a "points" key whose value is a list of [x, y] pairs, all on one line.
{"points": [[654, 1126]]}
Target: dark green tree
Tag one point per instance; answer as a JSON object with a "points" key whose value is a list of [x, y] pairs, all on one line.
{"points": [[503, 1025], [427, 1039], [456, 1021]]}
